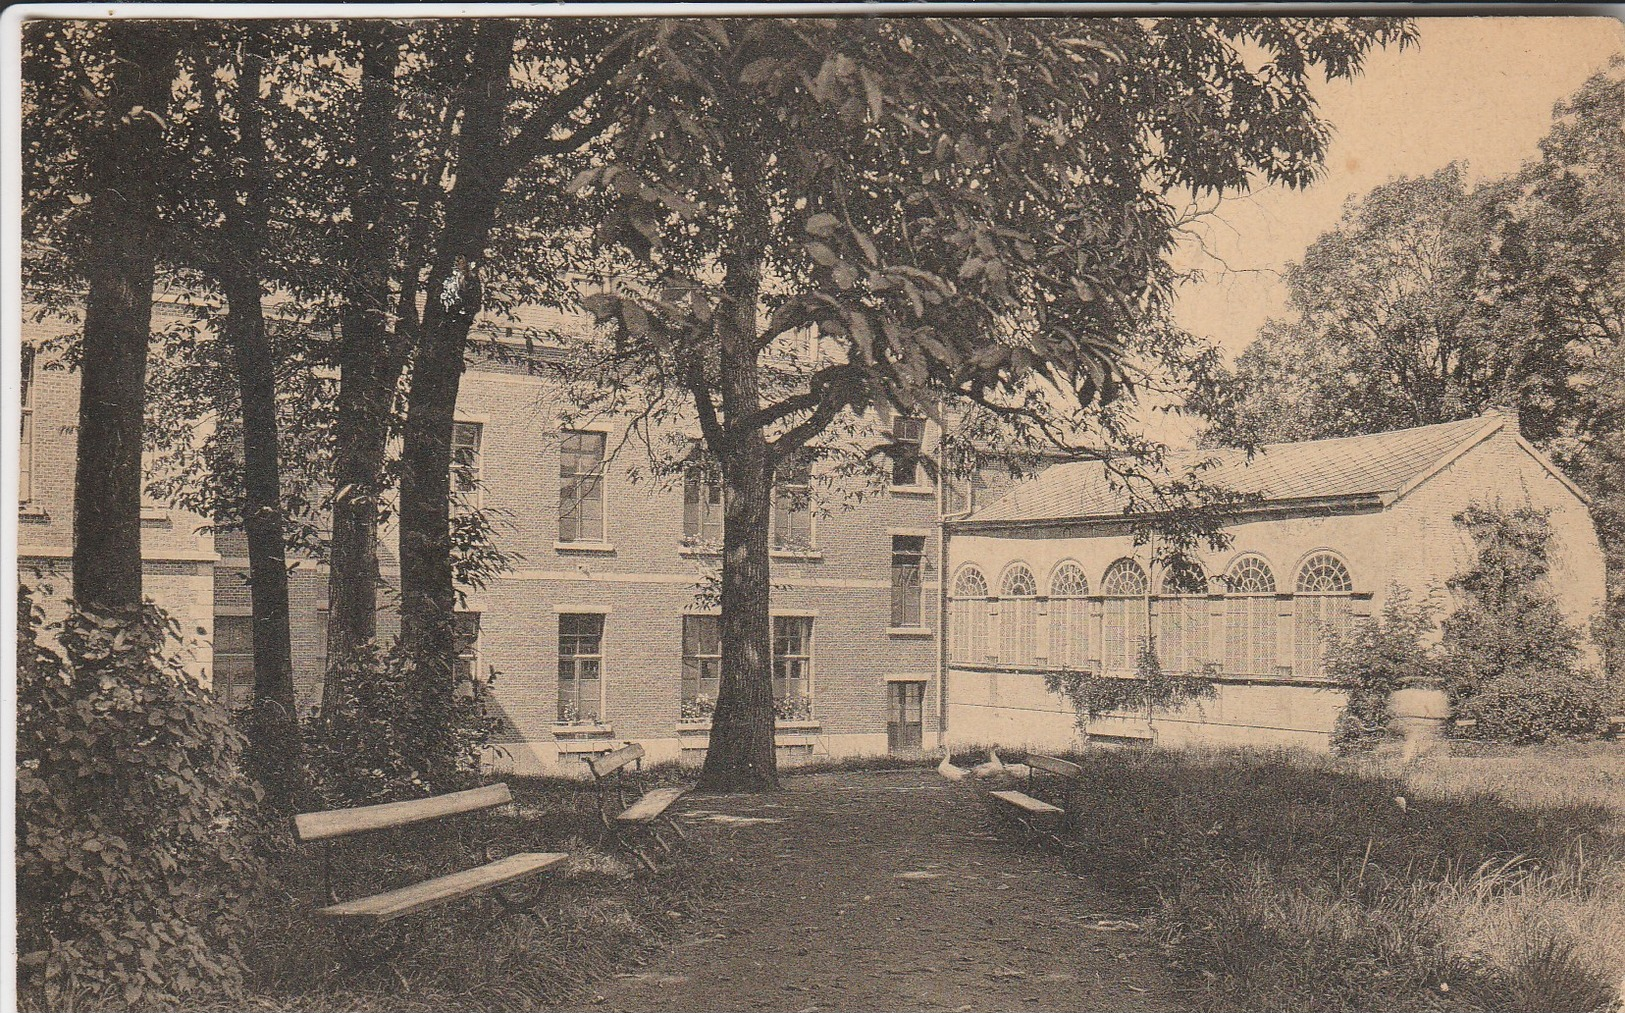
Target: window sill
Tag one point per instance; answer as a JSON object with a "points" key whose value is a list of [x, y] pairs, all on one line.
{"points": [[154, 515], [798, 725], [911, 490], [809, 554], [603, 547], [699, 550], [32, 514], [909, 631], [581, 731]]}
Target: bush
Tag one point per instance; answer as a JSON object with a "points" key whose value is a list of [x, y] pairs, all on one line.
{"points": [[1151, 691], [1375, 658], [1511, 658], [133, 817], [370, 747]]}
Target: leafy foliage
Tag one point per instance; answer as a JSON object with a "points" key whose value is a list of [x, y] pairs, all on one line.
{"points": [[1150, 692], [1376, 657], [375, 744], [133, 818], [1512, 661]]}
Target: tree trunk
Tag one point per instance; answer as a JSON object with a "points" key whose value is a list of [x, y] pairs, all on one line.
{"points": [[367, 374], [740, 756], [118, 320], [428, 595], [273, 741]]}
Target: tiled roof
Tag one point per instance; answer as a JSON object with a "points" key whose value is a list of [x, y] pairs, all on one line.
{"points": [[1375, 465]]}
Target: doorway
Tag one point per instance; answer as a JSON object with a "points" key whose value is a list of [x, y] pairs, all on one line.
{"points": [[905, 710]]}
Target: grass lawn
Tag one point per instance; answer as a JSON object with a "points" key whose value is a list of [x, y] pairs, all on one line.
{"points": [[1287, 881]]}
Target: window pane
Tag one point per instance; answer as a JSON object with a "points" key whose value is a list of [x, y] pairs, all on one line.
{"points": [[581, 462]]}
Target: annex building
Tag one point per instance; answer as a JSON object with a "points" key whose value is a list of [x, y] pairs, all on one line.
{"points": [[1048, 577]]}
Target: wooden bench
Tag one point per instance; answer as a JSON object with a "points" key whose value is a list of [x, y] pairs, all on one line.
{"points": [[1035, 814], [618, 777], [495, 875]]}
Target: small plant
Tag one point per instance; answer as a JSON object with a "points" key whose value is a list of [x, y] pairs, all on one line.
{"points": [[1150, 691], [792, 707], [375, 745], [698, 709], [134, 819], [1373, 659]]}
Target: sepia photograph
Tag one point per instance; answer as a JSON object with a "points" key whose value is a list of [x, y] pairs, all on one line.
{"points": [[815, 507]]}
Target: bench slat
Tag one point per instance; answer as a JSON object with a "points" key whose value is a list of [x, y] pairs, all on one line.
{"points": [[1021, 800], [651, 806], [609, 763], [385, 906], [340, 822], [1054, 765]]}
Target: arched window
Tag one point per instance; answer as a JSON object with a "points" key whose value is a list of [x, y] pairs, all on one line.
{"points": [[1182, 616], [1018, 615], [1251, 613], [967, 617], [1068, 617], [1320, 611], [1123, 621]]}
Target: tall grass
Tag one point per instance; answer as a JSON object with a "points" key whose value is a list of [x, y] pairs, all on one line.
{"points": [[1289, 881]]}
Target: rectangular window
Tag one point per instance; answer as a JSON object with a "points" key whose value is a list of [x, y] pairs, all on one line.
{"points": [[466, 636], [25, 455], [466, 463], [234, 660], [702, 665], [792, 664], [581, 487], [581, 661], [908, 436], [321, 642], [907, 559], [792, 508], [702, 503]]}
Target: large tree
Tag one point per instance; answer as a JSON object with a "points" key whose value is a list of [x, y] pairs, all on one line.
{"points": [[94, 181], [973, 212]]}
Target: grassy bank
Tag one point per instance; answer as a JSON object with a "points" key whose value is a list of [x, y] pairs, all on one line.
{"points": [[1287, 881], [596, 918]]}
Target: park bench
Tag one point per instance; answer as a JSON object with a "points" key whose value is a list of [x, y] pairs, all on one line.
{"points": [[1034, 814], [498, 875], [617, 775]]}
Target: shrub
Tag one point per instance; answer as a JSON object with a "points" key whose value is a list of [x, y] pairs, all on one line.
{"points": [[133, 817], [1150, 691], [371, 745], [1374, 658], [1511, 658]]}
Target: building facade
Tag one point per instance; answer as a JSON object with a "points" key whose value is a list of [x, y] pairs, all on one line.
{"points": [[1050, 578]]}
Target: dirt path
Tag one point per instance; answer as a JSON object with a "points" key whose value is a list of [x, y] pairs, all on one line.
{"points": [[886, 891]]}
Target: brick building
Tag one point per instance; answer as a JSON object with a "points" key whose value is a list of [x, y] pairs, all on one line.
{"points": [[1048, 577], [601, 634], [178, 559]]}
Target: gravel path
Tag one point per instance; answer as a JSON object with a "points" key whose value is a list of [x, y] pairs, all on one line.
{"points": [[886, 891]]}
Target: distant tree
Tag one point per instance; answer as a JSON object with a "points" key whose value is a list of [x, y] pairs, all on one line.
{"points": [[963, 211]]}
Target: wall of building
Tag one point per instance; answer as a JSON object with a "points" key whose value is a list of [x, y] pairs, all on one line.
{"points": [[1414, 543], [178, 557]]}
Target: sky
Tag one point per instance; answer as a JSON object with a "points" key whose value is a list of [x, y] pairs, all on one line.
{"points": [[1478, 89]]}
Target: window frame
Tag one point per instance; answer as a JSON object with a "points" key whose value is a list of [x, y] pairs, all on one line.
{"points": [[583, 717], [243, 657], [914, 456], [474, 495], [703, 473], [700, 660], [805, 657], [566, 477], [904, 595], [796, 483], [25, 451]]}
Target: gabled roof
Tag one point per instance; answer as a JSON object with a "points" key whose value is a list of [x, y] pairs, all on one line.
{"points": [[1377, 468]]}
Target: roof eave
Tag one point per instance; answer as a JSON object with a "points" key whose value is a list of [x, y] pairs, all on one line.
{"points": [[1353, 501]]}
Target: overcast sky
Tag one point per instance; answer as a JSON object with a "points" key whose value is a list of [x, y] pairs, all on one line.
{"points": [[1479, 89]]}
